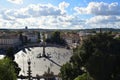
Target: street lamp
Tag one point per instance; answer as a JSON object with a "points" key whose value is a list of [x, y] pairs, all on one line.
{"points": [[29, 70]]}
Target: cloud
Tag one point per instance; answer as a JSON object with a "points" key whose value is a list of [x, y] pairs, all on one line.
{"points": [[63, 5], [5, 15], [15, 1], [12, 14], [103, 19], [103, 22], [104, 15], [40, 16], [48, 16], [35, 11], [99, 8], [43, 10]]}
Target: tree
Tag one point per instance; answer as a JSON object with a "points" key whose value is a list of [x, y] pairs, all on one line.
{"points": [[21, 37], [7, 71], [84, 76], [38, 35], [67, 72], [56, 38], [10, 55], [99, 56], [48, 74]]}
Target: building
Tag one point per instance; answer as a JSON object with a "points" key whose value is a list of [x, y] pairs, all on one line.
{"points": [[84, 34], [31, 37], [9, 40], [72, 39]]}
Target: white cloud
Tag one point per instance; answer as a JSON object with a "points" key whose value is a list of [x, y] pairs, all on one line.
{"points": [[54, 17], [63, 5], [33, 11], [103, 19], [104, 15], [16, 1], [100, 8], [104, 22], [43, 10], [39, 16]]}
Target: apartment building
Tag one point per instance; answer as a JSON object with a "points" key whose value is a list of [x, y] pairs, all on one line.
{"points": [[9, 40]]}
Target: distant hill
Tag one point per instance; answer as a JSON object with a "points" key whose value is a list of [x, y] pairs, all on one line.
{"points": [[76, 30], [103, 29]]}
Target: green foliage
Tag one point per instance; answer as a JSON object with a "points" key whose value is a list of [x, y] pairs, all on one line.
{"points": [[84, 76], [10, 55], [39, 37], [16, 67], [56, 38], [99, 55], [67, 72], [24, 40], [7, 71], [21, 37], [49, 73], [43, 34]]}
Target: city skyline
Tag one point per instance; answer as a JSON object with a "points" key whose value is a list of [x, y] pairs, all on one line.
{"points": [[62, 14]]}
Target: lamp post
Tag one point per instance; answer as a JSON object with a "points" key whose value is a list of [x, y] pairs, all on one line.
{"points": [[29, 70]]}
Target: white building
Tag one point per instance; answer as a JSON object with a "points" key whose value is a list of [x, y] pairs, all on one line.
{"points": [[71, 39], [9, 41], [47, 35], [31, 37]]}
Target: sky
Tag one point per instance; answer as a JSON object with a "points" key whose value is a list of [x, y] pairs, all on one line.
{"points": [[59, 14]]}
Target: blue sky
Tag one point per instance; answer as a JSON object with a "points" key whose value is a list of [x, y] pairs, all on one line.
{"points": [[60, 14]]}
